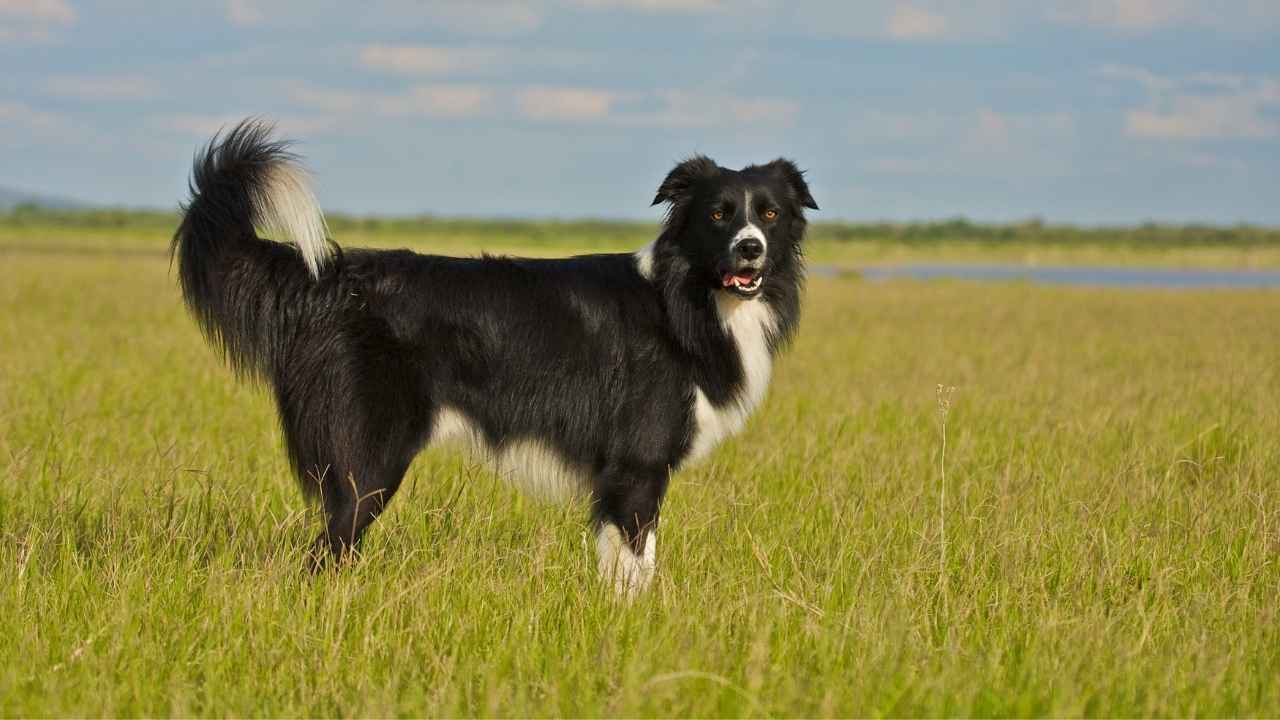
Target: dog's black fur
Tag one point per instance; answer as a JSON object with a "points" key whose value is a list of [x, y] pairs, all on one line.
{"points": [[585, 355]]}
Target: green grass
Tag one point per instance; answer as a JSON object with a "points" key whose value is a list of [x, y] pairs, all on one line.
{"points": [[1112, 515]]}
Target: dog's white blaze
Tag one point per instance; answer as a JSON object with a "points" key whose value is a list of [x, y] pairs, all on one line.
{"points": [[749, 323], [750, 230], [644, 261], [286, 210], [629, 573], [527, 464]]}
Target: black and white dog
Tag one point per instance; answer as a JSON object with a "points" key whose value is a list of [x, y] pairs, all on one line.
{"points": [[596, 374]]}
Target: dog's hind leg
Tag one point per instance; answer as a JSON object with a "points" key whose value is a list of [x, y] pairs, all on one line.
{"points": [[352, 500], [352, 434], [627, 500]]}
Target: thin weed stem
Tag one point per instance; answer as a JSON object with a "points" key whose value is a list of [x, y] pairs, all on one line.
{"points": [[944, 409]]}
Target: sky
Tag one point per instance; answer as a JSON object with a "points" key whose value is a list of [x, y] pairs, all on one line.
{"points": [[1084, 111]]}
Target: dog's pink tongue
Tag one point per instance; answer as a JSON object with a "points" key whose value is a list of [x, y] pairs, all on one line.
{"points": [[727, 279]]}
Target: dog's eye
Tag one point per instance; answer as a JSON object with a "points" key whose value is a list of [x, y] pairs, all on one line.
{"points": [[718, 215], [771, 214]]}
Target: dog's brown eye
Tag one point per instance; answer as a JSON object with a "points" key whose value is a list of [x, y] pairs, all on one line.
{"points": [[717, 215], [770, 214]]}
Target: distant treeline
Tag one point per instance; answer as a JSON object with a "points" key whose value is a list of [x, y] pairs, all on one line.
{"points": [[955, 230]]}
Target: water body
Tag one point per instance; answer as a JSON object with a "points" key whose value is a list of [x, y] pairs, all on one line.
{"points": [[1095, 276]]}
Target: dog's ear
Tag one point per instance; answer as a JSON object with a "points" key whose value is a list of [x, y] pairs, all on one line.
{"points": [[794, 177], [680, 181]]}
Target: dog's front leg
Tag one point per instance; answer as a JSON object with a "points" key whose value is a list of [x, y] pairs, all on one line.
{"points": [[626, 521]]}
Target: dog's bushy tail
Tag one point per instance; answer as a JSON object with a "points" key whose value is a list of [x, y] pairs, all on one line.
{"points": [[237, 285]]}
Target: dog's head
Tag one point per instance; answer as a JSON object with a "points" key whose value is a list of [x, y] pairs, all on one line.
{"points": [[733, 228]]}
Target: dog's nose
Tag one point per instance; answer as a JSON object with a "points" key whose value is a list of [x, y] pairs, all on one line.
{"points": [[749, 248]]}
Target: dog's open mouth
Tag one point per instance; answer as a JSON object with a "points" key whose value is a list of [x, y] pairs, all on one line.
{"points": [[745, 282]]}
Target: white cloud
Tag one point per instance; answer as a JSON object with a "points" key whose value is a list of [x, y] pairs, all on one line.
{"points": [[978, 20], [1144, 16], [996, 132], [491, 17], [565, 103], [1151, 82], [678, 109], [980, 142], [1211, 161], [429, 100], [427, 60], [40, 11], [1202, 118], [33, 21], [100, 87], [501, 18], [1125, 15], [440, 100], [687, 109], [19, 122], [985, 128], [20, 113], [328, 100], [1201, 106], [244, 12], [656, 6], [437, 60], [992, 129], [912, 23], [906, 20], [545, 103], [876, 125]]}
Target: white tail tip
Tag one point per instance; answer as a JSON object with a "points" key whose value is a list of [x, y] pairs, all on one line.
{"points": [[286, 210]]}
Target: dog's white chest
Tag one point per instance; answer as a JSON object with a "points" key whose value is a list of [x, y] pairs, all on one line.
{"points": [[749, 323]]}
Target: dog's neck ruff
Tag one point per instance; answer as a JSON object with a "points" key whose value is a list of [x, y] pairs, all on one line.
{"points": [[749, 324]]}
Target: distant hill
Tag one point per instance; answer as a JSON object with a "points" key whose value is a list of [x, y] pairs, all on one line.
{"points": [[11, 198]]}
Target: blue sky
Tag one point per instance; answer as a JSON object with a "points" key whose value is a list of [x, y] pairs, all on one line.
{"points": [[1092, 111]]}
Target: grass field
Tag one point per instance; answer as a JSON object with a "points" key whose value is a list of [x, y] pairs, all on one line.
{"points": [[833, 244], [1103, 538]]}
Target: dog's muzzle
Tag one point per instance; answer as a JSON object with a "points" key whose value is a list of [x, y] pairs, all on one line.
{"points": [[747, 274]]}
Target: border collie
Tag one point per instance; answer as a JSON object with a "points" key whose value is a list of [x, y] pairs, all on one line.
{"points": [[597, 374]]}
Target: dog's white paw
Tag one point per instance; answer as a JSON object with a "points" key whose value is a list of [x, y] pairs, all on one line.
{"points": [[629, 573]]}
